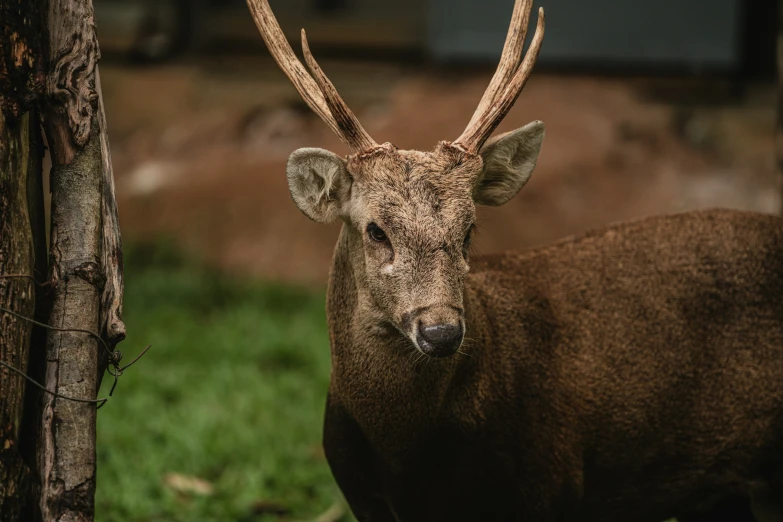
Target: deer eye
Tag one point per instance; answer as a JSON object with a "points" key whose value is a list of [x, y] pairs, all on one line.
{"points": [[376, 233], [466, 241]]}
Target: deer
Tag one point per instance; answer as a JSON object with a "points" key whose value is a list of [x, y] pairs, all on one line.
{"points": [[634, 372]]}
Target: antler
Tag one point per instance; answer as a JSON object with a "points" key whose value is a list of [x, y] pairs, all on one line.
{"points": [[316, 90], [508, 81]]}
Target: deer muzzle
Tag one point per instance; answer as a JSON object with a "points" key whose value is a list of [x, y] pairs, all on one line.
{"points": [[438, 332]]}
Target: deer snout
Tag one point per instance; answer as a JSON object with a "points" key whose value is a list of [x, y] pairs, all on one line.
{"points": [[439, 340]]}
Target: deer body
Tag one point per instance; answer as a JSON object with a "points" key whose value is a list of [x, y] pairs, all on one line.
{"points": [[634, 373]]}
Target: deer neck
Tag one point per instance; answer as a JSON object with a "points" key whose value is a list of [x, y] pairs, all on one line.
{"points": [[377, 374]]}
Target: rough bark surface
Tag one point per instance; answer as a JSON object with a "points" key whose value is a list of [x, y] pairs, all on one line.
{"points": [[31, 421], [779, 127], [21, 82], [18, 295], [21, 64], [73, 126], [70, 82], [112, 327], [67, 458]]}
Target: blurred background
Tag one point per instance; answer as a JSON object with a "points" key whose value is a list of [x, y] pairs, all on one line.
{"points": [[650, 107]]}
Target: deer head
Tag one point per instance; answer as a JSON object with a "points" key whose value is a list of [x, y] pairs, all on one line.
{"points": [[409, 214]]}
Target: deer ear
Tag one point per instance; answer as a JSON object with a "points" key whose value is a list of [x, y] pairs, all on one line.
{"points": [[509, 160], [319, 183]]}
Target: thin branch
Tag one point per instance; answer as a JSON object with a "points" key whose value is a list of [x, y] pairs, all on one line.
{"points": [[143, 352], [21, 276], [113, 355], [99, 402]]}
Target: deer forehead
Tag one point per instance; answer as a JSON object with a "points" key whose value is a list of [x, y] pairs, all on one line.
{"points": [[412, 191]]}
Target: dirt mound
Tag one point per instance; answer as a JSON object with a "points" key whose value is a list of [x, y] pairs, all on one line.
{"points": [[200, 149]]}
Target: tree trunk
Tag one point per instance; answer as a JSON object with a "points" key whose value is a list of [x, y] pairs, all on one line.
{"points": [[85, 262], [36, 368], [47, 443], [16, 294], [779, 127], [112, 327], [20, 193]]}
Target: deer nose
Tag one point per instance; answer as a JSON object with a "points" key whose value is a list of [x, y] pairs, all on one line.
{"points": [[439, 340]]}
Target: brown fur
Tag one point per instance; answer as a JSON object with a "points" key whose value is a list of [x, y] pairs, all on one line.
{"points": [[632, 373]]}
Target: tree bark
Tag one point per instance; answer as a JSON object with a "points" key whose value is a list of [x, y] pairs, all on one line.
{"points": [[85, 262], [16, 294], [779, 126], [112, 327], [21, 81], [47, 444], [36, 369]]}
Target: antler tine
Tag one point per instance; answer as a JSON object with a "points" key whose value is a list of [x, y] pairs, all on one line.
{"points": [[481, 127], [348, 123], [342, 124], [509, 59]]}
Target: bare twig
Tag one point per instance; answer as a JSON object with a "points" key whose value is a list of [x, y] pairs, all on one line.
{"points": [[115, 355], [39, 284], [116, 371], [114, 368], [21, 276], [99, 402]]}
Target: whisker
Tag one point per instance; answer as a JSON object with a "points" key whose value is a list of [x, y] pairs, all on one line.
{"points": [[412, 355]]}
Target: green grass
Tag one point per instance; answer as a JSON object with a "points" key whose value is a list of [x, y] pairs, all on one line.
{"points": [[232, 392]]}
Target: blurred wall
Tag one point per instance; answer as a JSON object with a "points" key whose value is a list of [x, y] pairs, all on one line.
{"points": [[692, 34], [349, 23], [689, 36]]}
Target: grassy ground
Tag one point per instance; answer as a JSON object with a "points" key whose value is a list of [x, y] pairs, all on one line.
{"points": [[231, 393], [221, 420]]}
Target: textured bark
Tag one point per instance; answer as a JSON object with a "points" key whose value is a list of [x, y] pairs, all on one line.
{"points": [[83, 221], [17, 294], [31, 421], [21, 63], [70, 82], [85, 250], [21, 81], [67, 460], [112, 327], [779, 127]]}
